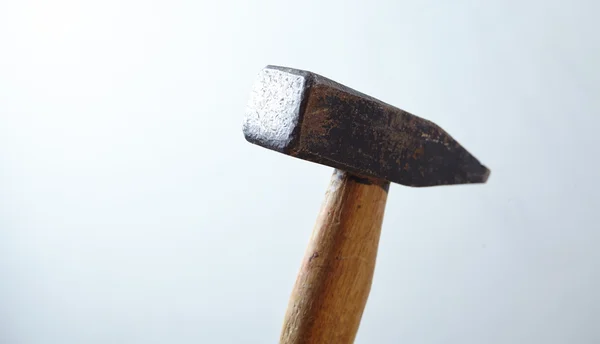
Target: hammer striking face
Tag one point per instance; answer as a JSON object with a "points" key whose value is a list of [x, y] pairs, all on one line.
{"points": [[308, 116]]}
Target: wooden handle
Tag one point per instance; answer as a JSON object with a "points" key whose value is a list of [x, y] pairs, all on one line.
{"points": [[333, 284]]}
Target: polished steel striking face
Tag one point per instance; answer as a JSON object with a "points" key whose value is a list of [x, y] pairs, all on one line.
{"points": [[308, 116]]}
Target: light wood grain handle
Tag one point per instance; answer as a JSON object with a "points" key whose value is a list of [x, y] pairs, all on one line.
{"points": [[333, 284]]}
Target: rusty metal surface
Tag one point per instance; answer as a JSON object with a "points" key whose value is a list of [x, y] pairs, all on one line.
{"points": [[331, 124]]}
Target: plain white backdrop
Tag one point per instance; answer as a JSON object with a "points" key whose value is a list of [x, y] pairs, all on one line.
{"points": [[132, 210]]}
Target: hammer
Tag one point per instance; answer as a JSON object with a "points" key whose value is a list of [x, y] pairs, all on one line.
{"points": [[369, 144]]}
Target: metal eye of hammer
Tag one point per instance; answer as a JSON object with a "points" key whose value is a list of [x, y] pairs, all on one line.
{"points": [[369, 144]]}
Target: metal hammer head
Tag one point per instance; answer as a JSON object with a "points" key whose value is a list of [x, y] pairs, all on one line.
{"points": [[308, 116]]}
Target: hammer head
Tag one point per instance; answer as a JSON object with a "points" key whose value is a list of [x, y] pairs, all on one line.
{"points": [[308, 116]]}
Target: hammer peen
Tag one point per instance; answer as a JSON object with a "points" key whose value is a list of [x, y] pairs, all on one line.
{"points": [[369, 144]]}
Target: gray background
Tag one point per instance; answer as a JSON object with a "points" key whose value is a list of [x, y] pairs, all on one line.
{"points": [[133, 211]]}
